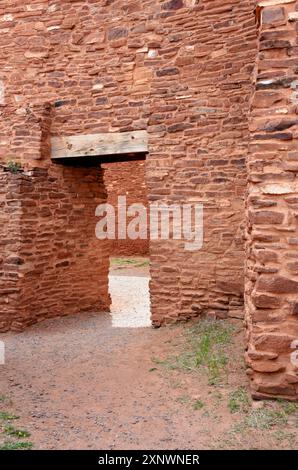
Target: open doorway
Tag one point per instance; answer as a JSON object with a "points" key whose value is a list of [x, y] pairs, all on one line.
{"points": [[129, 257]]}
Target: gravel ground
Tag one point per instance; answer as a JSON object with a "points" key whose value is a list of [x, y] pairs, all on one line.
{"points": [[80, 382]]}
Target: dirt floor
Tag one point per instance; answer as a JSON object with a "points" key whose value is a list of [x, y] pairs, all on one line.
{"points": [[129, 289], [80, 383]]}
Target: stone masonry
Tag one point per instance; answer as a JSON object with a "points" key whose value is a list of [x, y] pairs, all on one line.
{"points": [[214, 84], [126, 179], [272, 244]]}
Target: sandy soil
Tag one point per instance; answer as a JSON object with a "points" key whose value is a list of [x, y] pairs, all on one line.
{"points": [[80, 383]]}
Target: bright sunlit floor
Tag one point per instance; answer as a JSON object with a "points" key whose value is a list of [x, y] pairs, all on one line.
{"points": [[129, 290]]}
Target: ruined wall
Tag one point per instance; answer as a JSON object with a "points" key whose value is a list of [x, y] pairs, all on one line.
{"points": [[85, 59], [126, 179], [53, 264], [10, 213], [272, 245], [198, 128], [180, 69], [184, 70]]}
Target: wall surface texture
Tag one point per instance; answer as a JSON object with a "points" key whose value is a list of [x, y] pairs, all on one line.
{"points": [[127, 179], [185, 71], [51, 264], [180, 69], [272, 245], [200, 91]]}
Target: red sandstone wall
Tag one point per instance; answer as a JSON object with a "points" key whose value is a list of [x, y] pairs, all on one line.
{"points": [[52, 264], [180, 69], [272, 245], [65, 266], [10, 214], [126, 179], [198, 129]]}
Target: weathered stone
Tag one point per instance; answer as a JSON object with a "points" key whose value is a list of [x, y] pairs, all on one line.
{"points": [[36, 54], [117, 33], [267, 84], [274, 44], [264, 355], [173, 5], [267, 256], [167, 71], [291, 378], [273, 15], [293, 267], [178, 127], [279, 125], [267, 98], [266, 217], [281, 188], [276, 342], [295, 308], [267, 367], [277, 285], [278, 135], [266, 301]]}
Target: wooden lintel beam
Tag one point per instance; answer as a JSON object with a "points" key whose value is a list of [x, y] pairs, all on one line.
{"points": [[91, 145]]}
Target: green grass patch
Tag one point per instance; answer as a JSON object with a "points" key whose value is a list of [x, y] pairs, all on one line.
{"points": [[13, 167], [187, 400], [239, 401], [19, 433], [7, 416], [16, 445], [288, 407], [208, 341], [265, 419], [205, 349], [198, 405], [273, 415], [184, 399]]}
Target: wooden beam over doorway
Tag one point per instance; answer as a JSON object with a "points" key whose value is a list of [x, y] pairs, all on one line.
{"points": [[96, 145]]}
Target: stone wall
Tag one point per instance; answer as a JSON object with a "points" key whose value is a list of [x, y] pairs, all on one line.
{"points": [[272, 246], [126, 179], [52, 262], [184, 70], [180, 69], [10, 214], [198, 128]]}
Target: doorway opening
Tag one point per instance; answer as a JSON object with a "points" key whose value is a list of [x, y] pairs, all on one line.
{"points": [[129, 275]]}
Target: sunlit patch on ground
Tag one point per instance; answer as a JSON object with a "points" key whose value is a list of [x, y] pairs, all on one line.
{"points": [[130, 301]]}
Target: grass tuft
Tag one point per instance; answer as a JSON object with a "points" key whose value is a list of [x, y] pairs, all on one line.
{"points": [[13, 167], [239, 401], [19, 433], [274, 415], [7, 416], [198, 405], [207, 340], [16, 445]]}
